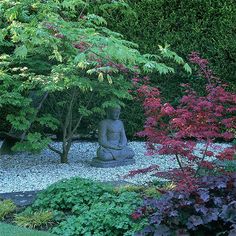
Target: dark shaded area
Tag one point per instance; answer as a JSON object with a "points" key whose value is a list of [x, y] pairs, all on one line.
{"points": [[21, 199]]}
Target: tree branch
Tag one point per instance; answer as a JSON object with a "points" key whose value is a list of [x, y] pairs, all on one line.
{"points": [[179, 163], [78, 123], [203, 157], [54, 149]]}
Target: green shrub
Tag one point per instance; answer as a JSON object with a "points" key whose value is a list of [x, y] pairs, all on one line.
{"points": [[83, 207], [33, 220], [110, 215], [6, 207], [65, 194]]}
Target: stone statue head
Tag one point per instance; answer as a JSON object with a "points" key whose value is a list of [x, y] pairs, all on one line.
{"points": [[113, 113]]}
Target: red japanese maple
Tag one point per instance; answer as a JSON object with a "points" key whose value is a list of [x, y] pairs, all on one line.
{"points": [[177, 130]]}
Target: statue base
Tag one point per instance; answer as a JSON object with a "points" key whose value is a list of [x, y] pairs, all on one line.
{"points": [[114, 163]]}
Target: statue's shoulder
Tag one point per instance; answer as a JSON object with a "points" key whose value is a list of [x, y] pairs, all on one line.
{"points": [[120, 121], [103, 122]]}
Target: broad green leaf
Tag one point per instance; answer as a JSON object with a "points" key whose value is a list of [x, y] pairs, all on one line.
{"points": [[57, 55], [21, 51], [91, 71], [84, 111], [109, 79], [3, 33], [83, 64], [34, 143], [48, 121], [100, 77], [187, 68], [96, 19]]}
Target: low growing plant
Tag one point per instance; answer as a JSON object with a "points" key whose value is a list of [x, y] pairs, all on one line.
{"points": [[84, 207], [208, 210], [110, 215], [64, 195], [145, 191], [30, 219], [6, 207]]}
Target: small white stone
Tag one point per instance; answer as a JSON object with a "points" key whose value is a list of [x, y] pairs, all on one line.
{"points": [[25, 172]]}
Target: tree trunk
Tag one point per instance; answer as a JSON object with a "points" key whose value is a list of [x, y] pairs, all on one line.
{"points": [[64, 157], [65, 150]]}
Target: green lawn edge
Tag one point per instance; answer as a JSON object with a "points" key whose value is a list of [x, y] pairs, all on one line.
{"points": [[11, 230]]}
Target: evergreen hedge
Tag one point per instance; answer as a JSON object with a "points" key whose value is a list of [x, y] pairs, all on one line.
{"points": [[206, 26]]}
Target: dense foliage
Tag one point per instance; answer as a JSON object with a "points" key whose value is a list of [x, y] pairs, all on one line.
{"points": [[83, 207], [60, 53], [208, 210], [204, 26], [6, 207], [198, 118]]}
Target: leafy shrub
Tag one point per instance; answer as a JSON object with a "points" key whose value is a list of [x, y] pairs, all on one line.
{"points": [[110, 215], [6, 207], [83, 207], [198, 118], [65, 194], [31, 219], [208, 210]]}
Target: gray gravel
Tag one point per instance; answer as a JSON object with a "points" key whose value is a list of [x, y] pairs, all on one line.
{"points": [[26, 172]]}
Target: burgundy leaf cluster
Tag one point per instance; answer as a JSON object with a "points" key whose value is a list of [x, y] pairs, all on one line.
{"points": [[208, 210], [82, 46], [197, 119]]}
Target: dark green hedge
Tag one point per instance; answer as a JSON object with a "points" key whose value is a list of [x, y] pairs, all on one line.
{"points": [[207, 26]]}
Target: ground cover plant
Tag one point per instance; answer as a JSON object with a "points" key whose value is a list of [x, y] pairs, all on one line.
{"points": [[208, 210], [31, 219], [84, 207], [6, 207]]}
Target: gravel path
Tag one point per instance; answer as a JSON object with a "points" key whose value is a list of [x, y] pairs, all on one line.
{"points": [[26, 172]]}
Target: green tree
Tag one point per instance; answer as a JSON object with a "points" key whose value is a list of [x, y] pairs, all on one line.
{"points": [[81, 60]]}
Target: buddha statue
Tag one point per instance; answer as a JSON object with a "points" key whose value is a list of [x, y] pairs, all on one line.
{"points": [[113, 142]]}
